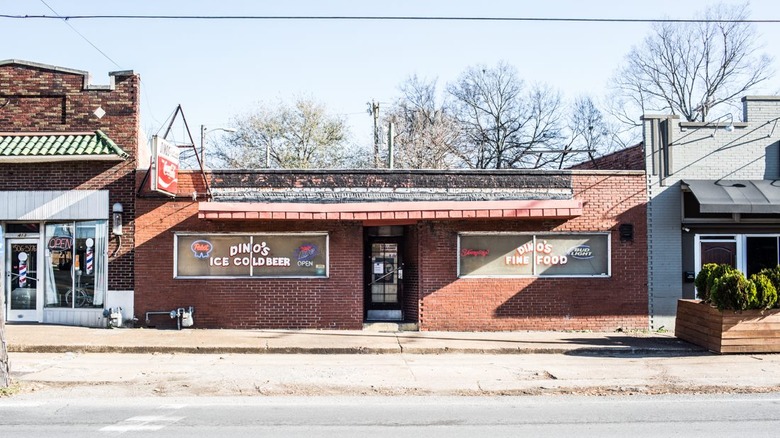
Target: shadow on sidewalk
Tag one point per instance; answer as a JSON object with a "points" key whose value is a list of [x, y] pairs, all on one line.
{"points": [[623, 346]]}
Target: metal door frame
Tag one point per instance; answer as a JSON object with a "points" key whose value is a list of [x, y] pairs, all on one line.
{"points": [[28, 315], [368, 275]]}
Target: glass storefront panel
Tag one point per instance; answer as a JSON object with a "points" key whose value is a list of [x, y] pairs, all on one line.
{"points": [[59, 261], [384, 273], [23, 276], [526, 254], [761, 253], [258, 255], [76, 259]]}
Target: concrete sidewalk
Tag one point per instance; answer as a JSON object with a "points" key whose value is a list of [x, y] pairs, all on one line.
{"points": [[58, 339], [61, 361]]}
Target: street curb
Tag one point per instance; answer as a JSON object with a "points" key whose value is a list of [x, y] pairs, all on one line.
{"points": [[602, 351]]}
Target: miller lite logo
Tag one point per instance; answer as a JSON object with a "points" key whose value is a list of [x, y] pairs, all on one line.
{"points": [[306, 252]]}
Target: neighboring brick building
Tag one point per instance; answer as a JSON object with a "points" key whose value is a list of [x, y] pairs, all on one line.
{"points": [[457, 236], [67, 155], [630, 158]]}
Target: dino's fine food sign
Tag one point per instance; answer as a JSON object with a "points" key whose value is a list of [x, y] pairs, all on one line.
{"points": [[516, 254], [251, 255]]}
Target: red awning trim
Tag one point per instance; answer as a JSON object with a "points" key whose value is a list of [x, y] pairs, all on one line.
{"points": [[391, 211]]}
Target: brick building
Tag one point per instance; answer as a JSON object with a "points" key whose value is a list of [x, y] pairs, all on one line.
{"points": [[67, 159], [82, 232], [447, 250]]}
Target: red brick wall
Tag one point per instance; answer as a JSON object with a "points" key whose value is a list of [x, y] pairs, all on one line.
{"points": [[335, 302], [438, 299], [411, 280], [449, 303], [36, 99], [631, 158]]}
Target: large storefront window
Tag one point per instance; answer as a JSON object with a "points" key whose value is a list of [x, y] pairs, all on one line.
{"points": [[760, 253], [76, 264], [259, 255], [543, 255]]}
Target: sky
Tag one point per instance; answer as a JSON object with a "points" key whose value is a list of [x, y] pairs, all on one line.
{"points": [[217, 70]]}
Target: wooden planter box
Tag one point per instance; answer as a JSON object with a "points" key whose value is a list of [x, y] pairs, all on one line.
{"points": [[749, 331]]}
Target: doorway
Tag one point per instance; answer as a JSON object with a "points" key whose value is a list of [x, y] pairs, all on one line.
{"points": [[21, 280], [384, 278]]}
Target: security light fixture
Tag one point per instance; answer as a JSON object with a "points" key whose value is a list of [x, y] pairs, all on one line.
{"points": [[626, 232], [727, 128], [116, 216]]}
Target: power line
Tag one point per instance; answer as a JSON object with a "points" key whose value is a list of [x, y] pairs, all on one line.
{"points": [[65, 20], [383, 18], [143, 88]]}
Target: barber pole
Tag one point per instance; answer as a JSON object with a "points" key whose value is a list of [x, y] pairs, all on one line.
{"points": [[22, 269], [90, 257]]}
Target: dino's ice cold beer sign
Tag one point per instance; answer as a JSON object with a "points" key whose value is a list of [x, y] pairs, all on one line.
{"points": [[165, 166], [293, 255]]}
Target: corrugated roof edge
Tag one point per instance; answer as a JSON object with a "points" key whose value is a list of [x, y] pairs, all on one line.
{"points": [[107, 140]]}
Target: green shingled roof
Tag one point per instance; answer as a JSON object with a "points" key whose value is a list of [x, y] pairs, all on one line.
{"points": [[64, 145]]}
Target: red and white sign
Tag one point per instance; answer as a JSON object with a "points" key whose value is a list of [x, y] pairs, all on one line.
{"points": [[165, 166]]}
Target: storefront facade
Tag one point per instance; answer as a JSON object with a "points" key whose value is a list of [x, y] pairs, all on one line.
{"points": [[713, 198], [82, 234], [67, 161], [445, 250]]}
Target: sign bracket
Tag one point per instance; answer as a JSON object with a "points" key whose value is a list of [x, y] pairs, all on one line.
{"points": [[190, 145]]}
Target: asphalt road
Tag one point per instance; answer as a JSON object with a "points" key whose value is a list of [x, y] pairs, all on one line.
{"points": [[633, 416]]}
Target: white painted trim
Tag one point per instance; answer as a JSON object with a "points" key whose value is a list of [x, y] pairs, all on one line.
{"points": [[60, 158], [36, 206]]}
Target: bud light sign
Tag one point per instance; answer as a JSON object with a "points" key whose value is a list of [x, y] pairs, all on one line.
{"points": [[582, 252]]}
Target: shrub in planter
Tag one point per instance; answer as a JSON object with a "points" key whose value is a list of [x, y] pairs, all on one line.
{"points": [[766, 293], [717, 272], [732, 291], [702, 281], [774, 277]]}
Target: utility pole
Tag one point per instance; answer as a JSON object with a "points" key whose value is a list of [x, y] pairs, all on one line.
{"points": [[373, 109], [390, 146]]}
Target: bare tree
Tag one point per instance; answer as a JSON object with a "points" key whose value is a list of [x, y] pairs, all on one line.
{"points": [[588, 133], [301, 135], [425, 134], [690, 68], [503, 125]]}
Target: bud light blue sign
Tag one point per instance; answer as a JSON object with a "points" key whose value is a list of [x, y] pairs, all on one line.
{"points": [[582, 252]]}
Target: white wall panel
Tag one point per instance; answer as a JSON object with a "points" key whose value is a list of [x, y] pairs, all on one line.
{"points": [[54, 205]]}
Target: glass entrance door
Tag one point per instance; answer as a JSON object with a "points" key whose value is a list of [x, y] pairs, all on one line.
{"points": [[21, 282], [384, 272]]}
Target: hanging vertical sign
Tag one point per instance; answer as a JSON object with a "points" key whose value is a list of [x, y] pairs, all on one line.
{"points": [[165, 166]]}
